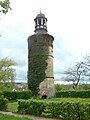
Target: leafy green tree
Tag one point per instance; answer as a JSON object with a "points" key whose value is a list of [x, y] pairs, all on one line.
{"points": [[36, 69], [7, 72], [8, 86], [4, 6]]}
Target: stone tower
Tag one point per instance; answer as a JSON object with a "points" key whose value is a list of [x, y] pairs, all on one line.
{"points": [[41, 37]]}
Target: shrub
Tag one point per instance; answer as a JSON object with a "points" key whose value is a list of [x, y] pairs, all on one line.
{"points": [[14, 95], [3, 103], [73, 94], [69, 111], [56, 109], [59, 87], [33, 107]]}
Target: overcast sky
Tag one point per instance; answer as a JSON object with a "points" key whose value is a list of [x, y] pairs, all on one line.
{"points": [[68, 22]]}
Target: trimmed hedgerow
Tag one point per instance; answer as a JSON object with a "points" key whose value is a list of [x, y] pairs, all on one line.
{"points": [[55, 109], [33, 107], [3, 103], [73, 94], [14, 95]]}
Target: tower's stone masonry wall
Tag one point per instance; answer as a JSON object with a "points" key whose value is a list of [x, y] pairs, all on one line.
{"points": [[45, 40], [47, 87], [49, 70], [36, 39]]}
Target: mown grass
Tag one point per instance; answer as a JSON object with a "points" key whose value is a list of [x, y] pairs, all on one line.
{"points": [[8, 117], [81, 100]]}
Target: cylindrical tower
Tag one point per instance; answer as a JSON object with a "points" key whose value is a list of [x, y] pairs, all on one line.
{"points": [[42, 38]]}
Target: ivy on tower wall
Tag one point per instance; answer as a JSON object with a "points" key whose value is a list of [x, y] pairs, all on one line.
{"points": [[37, 66]]}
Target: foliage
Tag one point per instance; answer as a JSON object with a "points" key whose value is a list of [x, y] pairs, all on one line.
{"points": [[9, 117], [3, 103], [5, 4], [78, 72], [57, 109], [7, 72], [12, 106], [83, 87], [73, 94], [8, 86], [69, 111], [36, 70], [59, 87], [14, 95], [33, 107]]}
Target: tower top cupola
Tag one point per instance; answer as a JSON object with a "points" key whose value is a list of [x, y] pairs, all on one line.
{"points": [[40, 23]]}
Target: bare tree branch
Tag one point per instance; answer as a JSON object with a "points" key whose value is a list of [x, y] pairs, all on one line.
{"points": [[78, 72]]}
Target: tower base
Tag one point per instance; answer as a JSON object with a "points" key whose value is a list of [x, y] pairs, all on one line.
{"points": [[47, 88]]}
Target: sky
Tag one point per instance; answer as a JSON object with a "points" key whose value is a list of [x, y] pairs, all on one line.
{"points": [[68, 22]]}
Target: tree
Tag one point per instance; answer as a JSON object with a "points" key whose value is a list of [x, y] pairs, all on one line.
{"points": [[7, 72], [36, 69], [4, 6], [87, 65], [80, 71]]}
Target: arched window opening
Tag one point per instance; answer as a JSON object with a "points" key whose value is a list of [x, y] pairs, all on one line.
{"points": [[39, 21], [35, 23], [43, 22]]}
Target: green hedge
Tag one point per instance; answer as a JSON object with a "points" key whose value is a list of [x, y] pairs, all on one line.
{"points": [[55, 109], [33, 107], [3, 103], [73, 94], [14, 95]]}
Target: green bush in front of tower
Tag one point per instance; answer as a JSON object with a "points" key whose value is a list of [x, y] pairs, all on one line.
{"points": [[37, 68]]}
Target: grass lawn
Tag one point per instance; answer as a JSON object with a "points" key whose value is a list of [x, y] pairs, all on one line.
{"points": [[81, 100], [8, 117]]}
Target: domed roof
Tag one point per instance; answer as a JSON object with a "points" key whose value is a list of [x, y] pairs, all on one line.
{"points": [[40, 15]]}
